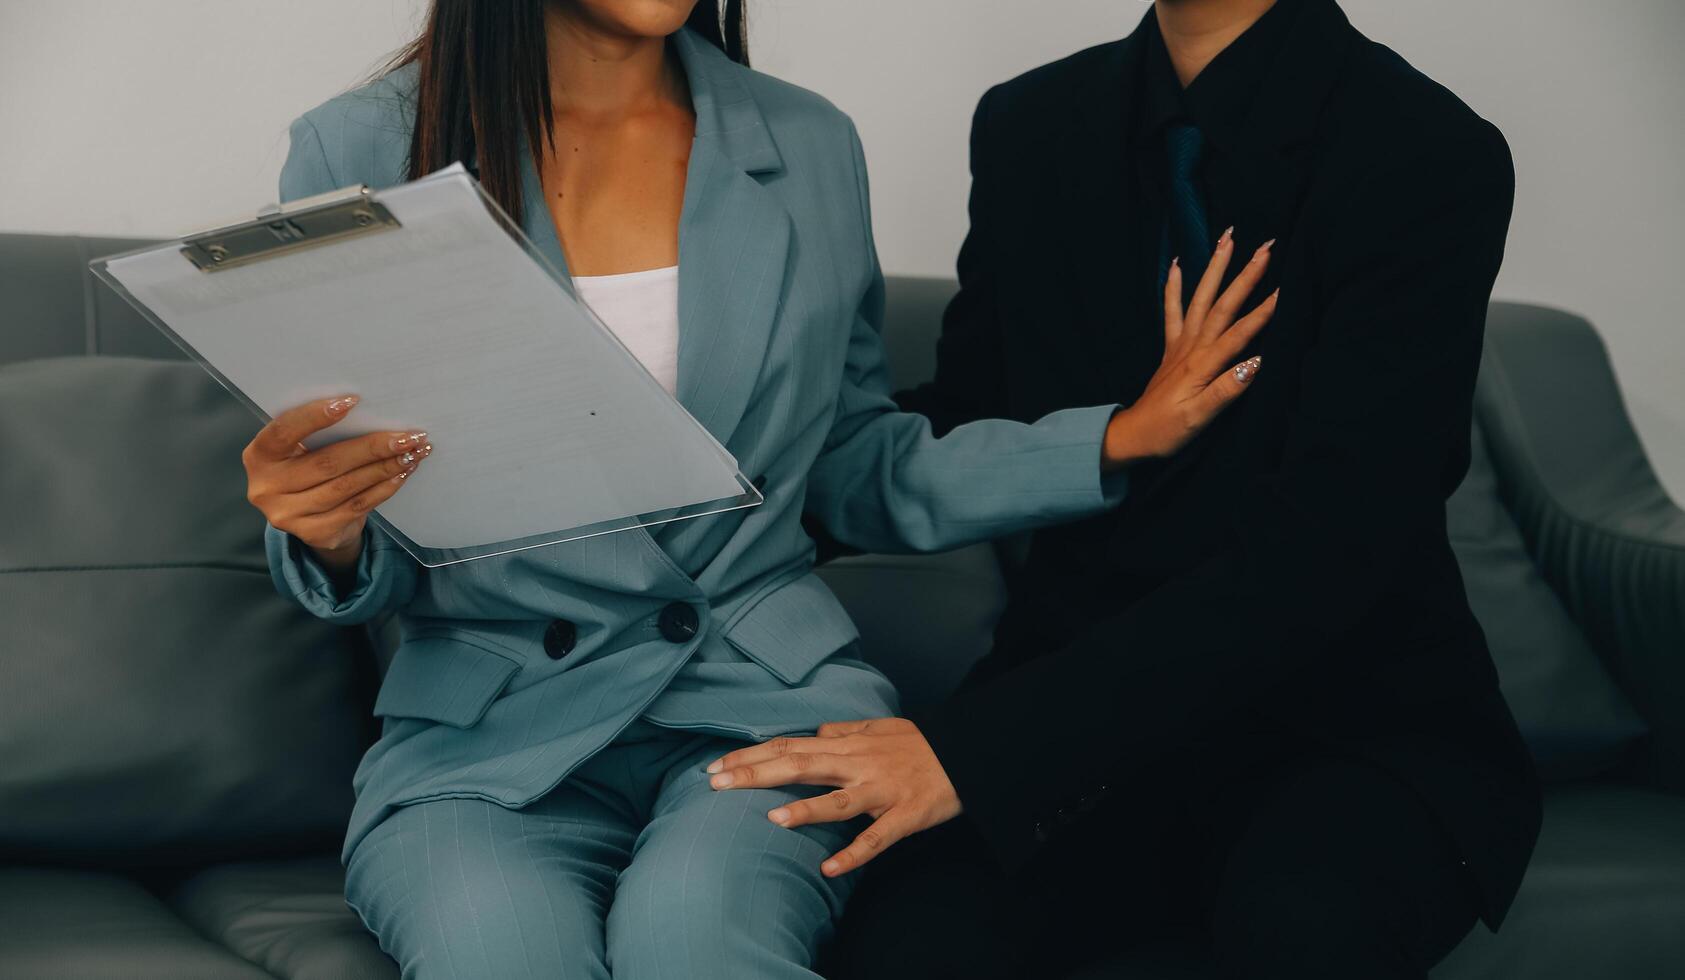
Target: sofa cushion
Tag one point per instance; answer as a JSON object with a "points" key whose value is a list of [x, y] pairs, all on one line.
{"points": [[55, 307], [1573, 716], [75, 925], [1603, 897], [923, 619], [288, 917], [158, 700]]}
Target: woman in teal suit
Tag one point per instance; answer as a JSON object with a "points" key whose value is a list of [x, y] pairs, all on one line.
{"points": [[537, 803]]}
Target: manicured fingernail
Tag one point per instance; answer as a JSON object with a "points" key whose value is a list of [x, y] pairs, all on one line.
{"points": [[413, 458], [408, 439], [1176, 263], [401, 477], [1263, 250], [1244, 371], [722, 781], [341, 405], [830, 867], [1228, 236], [779, 816], [715, 766]]}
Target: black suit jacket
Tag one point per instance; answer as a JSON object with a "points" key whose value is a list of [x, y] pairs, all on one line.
{"points": [[1293, 561]]}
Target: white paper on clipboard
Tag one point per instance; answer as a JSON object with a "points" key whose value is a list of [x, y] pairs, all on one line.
{"points": [[545, 427]]}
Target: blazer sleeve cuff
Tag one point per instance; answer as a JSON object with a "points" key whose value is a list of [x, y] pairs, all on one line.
{"points": [[300, 577], [1081, 434], [1011, 825]]}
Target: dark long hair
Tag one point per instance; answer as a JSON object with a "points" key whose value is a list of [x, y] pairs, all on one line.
{"points": [[485, 84]]}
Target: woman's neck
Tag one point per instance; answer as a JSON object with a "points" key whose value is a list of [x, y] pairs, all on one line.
{"points": [[1196, 31], [597, 73]]}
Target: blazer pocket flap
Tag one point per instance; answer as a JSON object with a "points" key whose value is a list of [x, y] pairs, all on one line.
{"points": [[446, 679], [793, 628]]}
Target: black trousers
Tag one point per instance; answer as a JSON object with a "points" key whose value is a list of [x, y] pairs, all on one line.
{"points": [[1278, 860]]}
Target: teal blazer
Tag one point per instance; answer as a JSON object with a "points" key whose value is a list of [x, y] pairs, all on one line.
{"points": [[780, 300]]}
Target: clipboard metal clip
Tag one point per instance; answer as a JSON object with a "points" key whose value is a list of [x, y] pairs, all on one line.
{"points": [[304, 223]]}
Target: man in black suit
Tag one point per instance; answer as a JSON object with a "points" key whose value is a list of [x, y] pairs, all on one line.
{"points": [[1252, 703]]}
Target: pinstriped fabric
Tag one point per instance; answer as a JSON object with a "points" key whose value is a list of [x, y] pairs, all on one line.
{"points": [[635, 867]]}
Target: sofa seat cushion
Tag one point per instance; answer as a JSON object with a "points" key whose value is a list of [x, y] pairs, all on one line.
{"points": [[289, 917], [86, 925], [1604, 896]]}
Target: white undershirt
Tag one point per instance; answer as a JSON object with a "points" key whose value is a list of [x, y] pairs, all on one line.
{"points": [[642, 308]]}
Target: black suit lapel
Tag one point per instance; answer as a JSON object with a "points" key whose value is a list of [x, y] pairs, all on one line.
{"points": [[1104, 246], [1263, 178]]}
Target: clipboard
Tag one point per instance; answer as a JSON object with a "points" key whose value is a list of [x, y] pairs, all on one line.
{"points": [[428, 302]]}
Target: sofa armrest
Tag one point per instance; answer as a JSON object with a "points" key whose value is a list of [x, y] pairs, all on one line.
{"points": [[1601, 527]]}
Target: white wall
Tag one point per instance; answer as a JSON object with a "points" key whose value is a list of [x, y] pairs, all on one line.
{"points": [[155, 116]]}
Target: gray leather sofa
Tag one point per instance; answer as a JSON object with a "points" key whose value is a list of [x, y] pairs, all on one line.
{"points": [[176, 741]]}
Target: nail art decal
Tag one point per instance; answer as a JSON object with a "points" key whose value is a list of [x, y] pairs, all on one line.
{"points": [[415, 456], [1244, 371]]}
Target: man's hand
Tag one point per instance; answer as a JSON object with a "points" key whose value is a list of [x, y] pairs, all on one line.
{"points": [[882, 767]]}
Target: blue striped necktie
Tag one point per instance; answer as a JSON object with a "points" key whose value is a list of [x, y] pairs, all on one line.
{"points": [[1186, 229]]}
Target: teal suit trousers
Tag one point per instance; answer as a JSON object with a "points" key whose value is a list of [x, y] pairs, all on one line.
{"points": [[633, 868]]}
